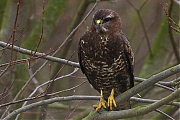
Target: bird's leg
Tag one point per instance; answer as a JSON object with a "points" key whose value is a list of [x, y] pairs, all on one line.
{"points": [[102, 103], [111, 100]]}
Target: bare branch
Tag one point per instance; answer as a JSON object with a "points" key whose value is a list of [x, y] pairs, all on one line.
{"points": [[152, 80], [134, 111], [144, 85], [142, 100], [140, 110], [156, 84], [173, 42], [49, 101], [44, 55], [38, 55], [142, 23], [172, 83], [159, 111]]}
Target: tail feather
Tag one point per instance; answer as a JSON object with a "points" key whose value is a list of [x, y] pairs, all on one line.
{"points": [[123, 106]]}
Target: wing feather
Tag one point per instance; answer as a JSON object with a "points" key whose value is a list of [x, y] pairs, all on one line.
{"points": [[130, 60]]}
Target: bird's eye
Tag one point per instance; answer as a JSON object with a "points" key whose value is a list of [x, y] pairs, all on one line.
{"points": [[107, 19]]}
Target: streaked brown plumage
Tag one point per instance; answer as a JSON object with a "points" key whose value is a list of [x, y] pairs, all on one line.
{"points": [[105, 56]]}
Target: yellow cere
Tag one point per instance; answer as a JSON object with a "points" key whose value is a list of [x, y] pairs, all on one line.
{"points": [[98, 21]]}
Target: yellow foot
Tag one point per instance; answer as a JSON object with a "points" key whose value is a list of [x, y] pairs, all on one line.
{"points": [[102, 103], [111, 100]]}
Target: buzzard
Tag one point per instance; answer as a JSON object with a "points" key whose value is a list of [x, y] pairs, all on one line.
{"points": [[106, 58]]}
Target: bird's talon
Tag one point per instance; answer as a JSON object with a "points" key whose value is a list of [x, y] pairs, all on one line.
{"points": [[111, 100], [102, 103]]}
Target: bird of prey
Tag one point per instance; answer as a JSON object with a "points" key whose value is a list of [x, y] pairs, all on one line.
{"points": [[106, 58]]}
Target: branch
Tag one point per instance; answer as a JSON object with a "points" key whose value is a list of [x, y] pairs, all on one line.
{"points": [[142, 100], [172, 83], [163, 113], [152, 80], [140, 110], [60, 60], [149, 82], [142, 23], [159, 84], [144, 85], [37, 54], [46, 56], [74, 97], [54, 59], [49, 101], [173, 41]]}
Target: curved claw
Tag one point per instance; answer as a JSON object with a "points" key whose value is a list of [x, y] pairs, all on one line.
{"points": [[111, 100], [102, 103]]}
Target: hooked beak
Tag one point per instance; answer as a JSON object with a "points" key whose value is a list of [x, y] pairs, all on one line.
{"points": [[99, 26]]}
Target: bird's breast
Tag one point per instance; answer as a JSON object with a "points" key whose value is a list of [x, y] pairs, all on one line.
{"points": [[102, 55]]}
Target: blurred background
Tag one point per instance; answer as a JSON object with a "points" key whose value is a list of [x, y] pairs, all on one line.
{"points": [[156, 47]]}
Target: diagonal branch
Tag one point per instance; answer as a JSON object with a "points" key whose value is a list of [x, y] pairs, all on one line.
{"points": [[60, 60], [144, 85], [141, 110], [172, 39], [37, 54], [134, 111], [142, 100], [142, 23], [49, 101], [48, 57], [149, 82]]}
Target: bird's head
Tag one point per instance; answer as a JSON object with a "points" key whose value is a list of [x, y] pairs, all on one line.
{"points": [[105, 20]]}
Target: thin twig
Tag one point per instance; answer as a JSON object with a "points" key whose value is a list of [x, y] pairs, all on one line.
{"points": [[172, 83], [124, 113], [173, 42], [143, 100], [156, 84], [52, 118], [141, 110], [38, 54], [33, 98], [40, 86], [42, 29], [142, 24], [144, 85], [70, 35], [163, 113], [13, 38], [66, 40], [73, 110], [142, 38]]}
